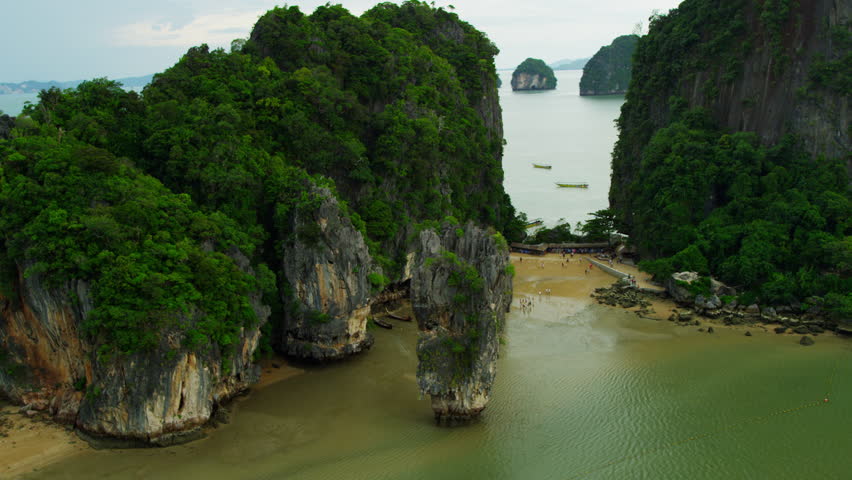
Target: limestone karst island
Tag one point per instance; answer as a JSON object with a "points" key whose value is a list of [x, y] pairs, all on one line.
{"points": [[336, 247], [533, 74], [608, 71]]}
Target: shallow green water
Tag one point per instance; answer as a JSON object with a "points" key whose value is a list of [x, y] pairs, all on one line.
{"points": [[579, 389]]}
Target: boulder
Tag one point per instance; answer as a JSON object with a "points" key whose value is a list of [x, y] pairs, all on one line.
{"points": [[806, 340], [780, 330], [720, 289], [708, 303], [814, 328], [752, 309], [710, 330], [769, 312], [747, 333], [801, 329], [676, 289]]}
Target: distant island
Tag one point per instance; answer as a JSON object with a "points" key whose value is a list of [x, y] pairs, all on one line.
{"points": [[33, 86], [609, 71], [533, 74], [570, 63]]}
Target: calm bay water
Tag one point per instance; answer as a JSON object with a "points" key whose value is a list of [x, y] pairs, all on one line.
{"points": [[558, 127], [582, 391]]}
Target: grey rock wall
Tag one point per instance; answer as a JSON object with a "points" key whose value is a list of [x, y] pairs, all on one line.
{"points": [[460, 293], [329, 294]]}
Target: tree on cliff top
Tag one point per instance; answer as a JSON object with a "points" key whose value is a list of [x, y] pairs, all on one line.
{"points": [[534, 66]]}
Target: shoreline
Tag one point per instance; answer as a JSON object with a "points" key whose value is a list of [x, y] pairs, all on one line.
{"points": [[562, 277], [32, 443]]}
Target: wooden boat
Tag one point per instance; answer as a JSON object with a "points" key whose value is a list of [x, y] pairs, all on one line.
{"points": [[540, 165], [397, 317], [572, 185], [382, 323], [534, 223]]}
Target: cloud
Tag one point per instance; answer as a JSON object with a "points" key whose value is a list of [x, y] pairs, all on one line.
{"points": [[215, 29]]}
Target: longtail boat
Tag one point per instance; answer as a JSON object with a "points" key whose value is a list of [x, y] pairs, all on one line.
{"points": [[572, 185], [539, 165], [534, 223], [382, 323], [397, 317]]}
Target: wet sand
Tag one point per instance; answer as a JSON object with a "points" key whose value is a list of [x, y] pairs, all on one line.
{"points": [[32, 444], [275, 369], [564, 278], [28, 444]]}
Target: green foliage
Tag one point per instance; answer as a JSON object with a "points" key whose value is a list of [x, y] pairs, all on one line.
{"points": [[500, 242], [599, 227], [80, 384], [535, 66], [559, 234], [610, 69], [317, 317], [510, 270], [835, 73], [378, 281], [381, 111], [139, 246], [767, 219]]}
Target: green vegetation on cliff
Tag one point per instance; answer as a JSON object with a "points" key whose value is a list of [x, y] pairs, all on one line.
{"points": [[767, 211], [70, 211], [608, 71], [395, 112]]}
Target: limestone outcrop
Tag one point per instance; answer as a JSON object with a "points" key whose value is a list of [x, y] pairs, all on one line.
{"points": [[460, 292], [691, 289], [326, 264], [158, 396], [609, 71], [533, 74], [6, 125]]}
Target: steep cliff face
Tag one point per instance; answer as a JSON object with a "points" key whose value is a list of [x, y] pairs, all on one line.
{"points": [[43, 355], [326, 265], [6, 124], [756, 66], [160, 396], [608, 72], [529, 81], [533, 74], [460, 292]]}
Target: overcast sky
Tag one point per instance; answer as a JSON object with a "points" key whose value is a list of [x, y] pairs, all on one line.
{"points": [[70, 40]]}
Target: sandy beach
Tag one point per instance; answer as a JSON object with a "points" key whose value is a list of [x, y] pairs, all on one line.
{"points": [[32, 443]]}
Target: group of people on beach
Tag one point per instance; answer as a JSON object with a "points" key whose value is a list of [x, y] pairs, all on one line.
{"points": [[526, 304]]}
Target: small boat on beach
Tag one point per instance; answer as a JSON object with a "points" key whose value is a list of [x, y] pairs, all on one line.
{"points": [[540, 165], [572, 185], [382, 323], [397, 317]]}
